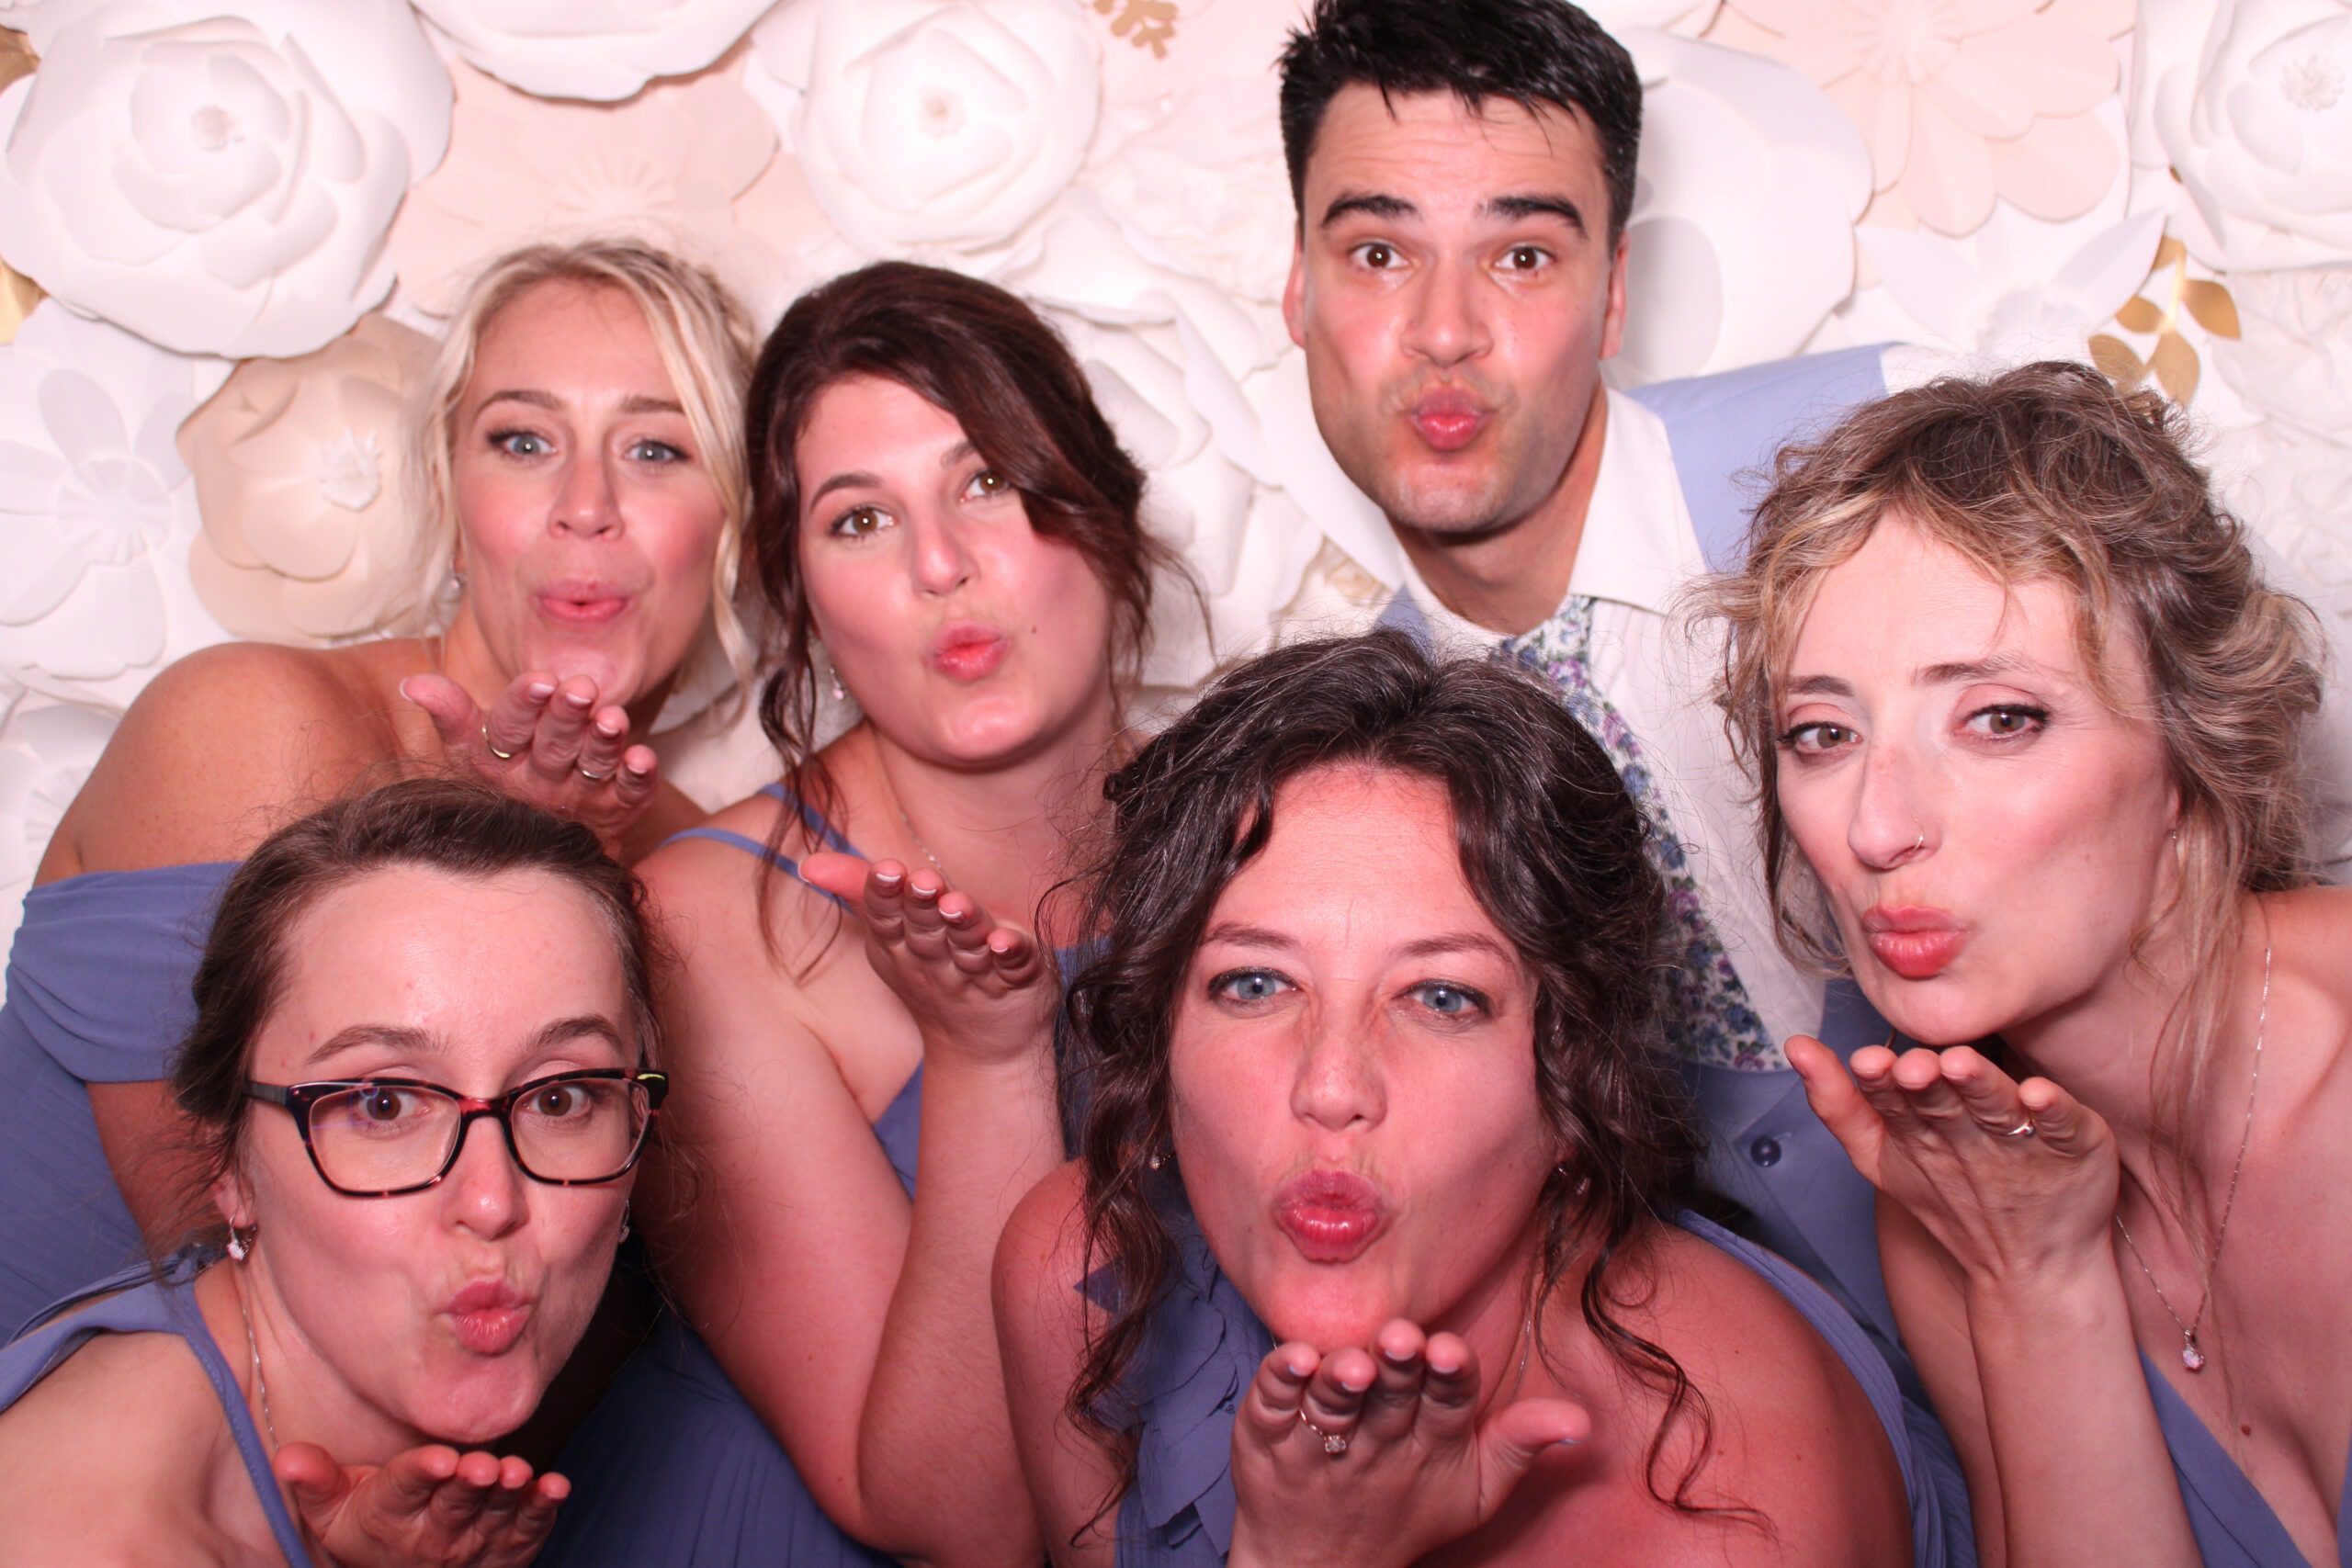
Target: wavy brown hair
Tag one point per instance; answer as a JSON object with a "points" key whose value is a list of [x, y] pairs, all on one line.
{"points": [[2046, 473], [1554, 852], [983, 356]]}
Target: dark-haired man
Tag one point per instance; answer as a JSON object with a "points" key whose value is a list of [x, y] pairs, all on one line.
{"points": [[1463, 174]]}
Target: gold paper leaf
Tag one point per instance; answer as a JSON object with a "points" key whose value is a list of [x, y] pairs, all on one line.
{"points": [[2212, 305], [2117, 361], [1147, 23], [18, 294], [17, 56], [2169, 252], [2140, 314], [2175, 364]]}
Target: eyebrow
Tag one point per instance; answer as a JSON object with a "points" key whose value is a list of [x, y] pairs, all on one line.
{"points": [[1993, 666], [532, 397], [409, 1041], [1504, 208], [859, 478], [1443, 944]]}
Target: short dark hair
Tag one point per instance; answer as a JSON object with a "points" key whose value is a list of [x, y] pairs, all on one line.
{"points": [[983, 355], [1536, 54], [433, 824], [1555, 851]]}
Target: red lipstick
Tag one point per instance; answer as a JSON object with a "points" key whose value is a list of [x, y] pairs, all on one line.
{"points": [[1916, 943], [488, 1317], [1330, 1215], [967, 651]]}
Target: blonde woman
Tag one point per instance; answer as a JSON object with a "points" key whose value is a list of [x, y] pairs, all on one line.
{"points": [[2027, 718], [580, 447]]}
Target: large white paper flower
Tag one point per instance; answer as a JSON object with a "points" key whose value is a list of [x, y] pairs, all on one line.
{"points": [[1742, 235], [665, 168], [2016, 290], [2292, 359], [1961, 101], [946, 123], [95, 508], [46, 752], [220, 183], [600, 49], [308, 526], [2257, 124]]}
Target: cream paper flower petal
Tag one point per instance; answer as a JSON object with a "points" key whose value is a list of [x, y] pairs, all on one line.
{"points": [[666, 168], [219, 183], [944, 123], [2293, 358], [299, 478], [600, 49]]}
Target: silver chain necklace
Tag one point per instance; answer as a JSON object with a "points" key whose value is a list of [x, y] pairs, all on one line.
{"points": [[253, 1349], [2190, 1356]]}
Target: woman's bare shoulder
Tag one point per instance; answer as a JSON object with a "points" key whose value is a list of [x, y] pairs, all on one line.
{"points": [[110, 1459], [221, 749]]}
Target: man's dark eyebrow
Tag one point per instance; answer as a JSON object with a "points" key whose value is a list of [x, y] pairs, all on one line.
{"points": [[1372, 204], [1511, 208]]}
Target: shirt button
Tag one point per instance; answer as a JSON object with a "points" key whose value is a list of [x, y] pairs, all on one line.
{"points": [[1765, 1151]]}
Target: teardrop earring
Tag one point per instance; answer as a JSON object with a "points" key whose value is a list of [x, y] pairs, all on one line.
{"points": [[241, 1245], [840, 692]]}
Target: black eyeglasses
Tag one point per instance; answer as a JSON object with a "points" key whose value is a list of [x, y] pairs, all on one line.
{"points": [[382, 1137]]}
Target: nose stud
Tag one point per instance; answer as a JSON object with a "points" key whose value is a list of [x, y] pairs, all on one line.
{"points": [[1920, 842]]}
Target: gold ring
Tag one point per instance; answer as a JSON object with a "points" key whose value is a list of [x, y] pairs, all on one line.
{"points": [[491, 747], [593, 778]]}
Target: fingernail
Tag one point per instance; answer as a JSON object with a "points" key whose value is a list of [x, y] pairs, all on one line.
{"points": [[1353, 1387], [540, 691], [887, 878], [608, 732], [577, 700], [402, 689], [1565, 1442], [1393, 1360], [1294, 1368]]}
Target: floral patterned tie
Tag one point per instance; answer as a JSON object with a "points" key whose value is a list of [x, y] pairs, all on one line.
{"points": [[1708, 1018]]}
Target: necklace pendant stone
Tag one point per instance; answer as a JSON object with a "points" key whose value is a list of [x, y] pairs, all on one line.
{"points": [[2191, 1357]]}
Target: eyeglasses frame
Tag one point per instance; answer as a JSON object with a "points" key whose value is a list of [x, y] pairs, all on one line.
{"points": [[297, 1098]]}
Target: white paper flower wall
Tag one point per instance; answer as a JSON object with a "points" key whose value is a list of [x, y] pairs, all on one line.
{"points": [[293, 191]]}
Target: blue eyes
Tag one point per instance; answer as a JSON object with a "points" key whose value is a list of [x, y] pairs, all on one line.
{"points": [[1249, 986], [531, 443], [1443, 1000]]}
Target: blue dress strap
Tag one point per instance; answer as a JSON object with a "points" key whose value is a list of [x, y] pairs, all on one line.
{"points": [[144, 1304], [824, 830], [2235, 1525]]}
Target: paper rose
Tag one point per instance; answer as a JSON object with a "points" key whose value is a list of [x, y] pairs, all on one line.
{"points": [[1190, 162], [95, 508], [946, 123], [591, 48], [2292, 359], [299, 479], [219, 184], [1960, 103], [2015, 290], [665, 168], [1742, 234], [2257, 124], [45, 755]]}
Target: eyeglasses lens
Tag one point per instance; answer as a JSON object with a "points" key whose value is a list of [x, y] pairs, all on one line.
{"points": [[376, 1137]]}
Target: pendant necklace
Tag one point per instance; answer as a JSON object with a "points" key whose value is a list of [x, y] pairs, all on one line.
{"points": [[2190, 1356]]}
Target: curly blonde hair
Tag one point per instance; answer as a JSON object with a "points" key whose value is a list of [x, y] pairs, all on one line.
{"points": [[706, 347], [2046, 473]]}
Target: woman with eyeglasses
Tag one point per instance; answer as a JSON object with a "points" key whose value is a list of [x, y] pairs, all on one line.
{"points": [[421, 1076]]}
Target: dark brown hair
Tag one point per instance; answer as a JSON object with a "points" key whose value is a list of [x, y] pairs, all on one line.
{"points": [[982, 355], [1538, 54], [433, 824], [2046, 473], [1554, 852]]}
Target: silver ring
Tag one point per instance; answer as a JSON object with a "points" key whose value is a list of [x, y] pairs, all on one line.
{"points": [[2025, 1129], [593, 778], [491, 747], [1334, 1443], [1920, 842]]}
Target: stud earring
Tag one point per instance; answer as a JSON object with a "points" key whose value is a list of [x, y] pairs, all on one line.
{"points": [[624, 1235], [840, 692], [1158, 1160]]}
